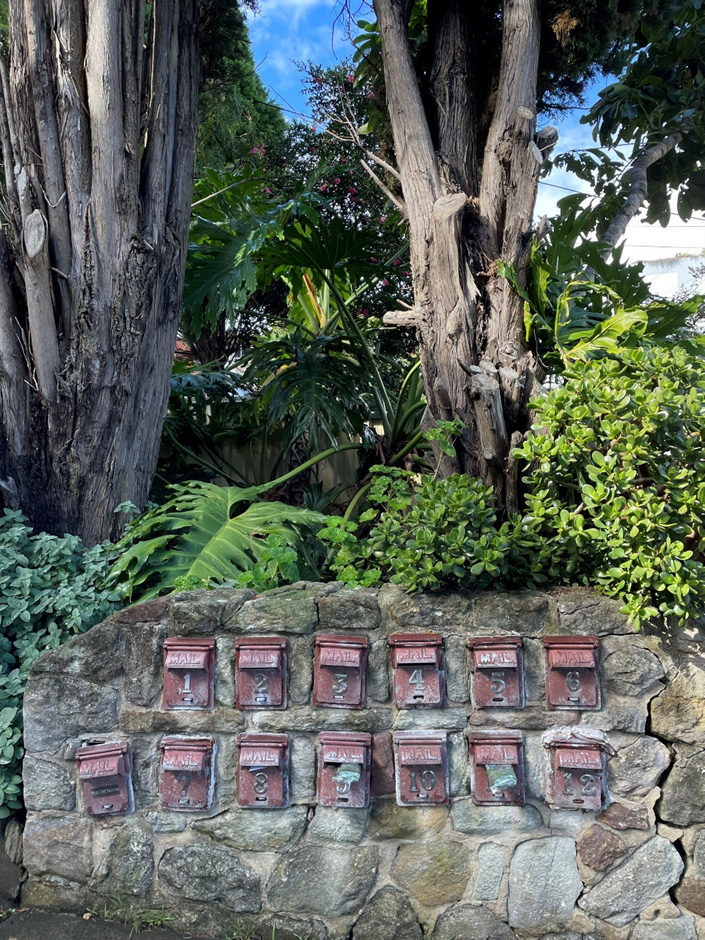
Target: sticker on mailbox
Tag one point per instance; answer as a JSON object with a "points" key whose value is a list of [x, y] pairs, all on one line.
{"points": [[344, 769]]}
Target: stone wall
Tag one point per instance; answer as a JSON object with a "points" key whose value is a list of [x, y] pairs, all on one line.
{"points": [[460, 872]]}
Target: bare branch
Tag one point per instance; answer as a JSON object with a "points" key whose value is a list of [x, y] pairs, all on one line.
{"points": [[387, 192], [405, 319], [45, 344]]}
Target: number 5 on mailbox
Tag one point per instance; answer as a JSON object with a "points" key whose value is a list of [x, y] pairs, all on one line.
{"points": [[421, 765]]}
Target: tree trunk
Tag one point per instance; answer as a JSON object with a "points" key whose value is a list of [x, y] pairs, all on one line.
{"points": [[474, 361], [98, 125]]}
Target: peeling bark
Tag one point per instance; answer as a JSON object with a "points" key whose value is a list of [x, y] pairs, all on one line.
{"points": [[98, 142]]}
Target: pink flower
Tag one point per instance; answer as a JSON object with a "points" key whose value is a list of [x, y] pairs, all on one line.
{"points": [[351, 77], [323, 188], [373, 260], [383, 219], [267, 190], [396, 262], [385, 282], [405, 273], [352, 190], [336, 181]]}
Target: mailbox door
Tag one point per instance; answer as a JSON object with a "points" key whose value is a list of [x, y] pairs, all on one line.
{"points": [[186, 780], [498, 773], [340, 672], [497, 676], [260, 667], [188, 673], [581, 786], [104, 774], [421, 769], [344, 770], [105, 796], [572, 678], [263, 771], [419, 680]]}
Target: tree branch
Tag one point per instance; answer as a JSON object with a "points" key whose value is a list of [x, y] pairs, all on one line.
{"points": [[387, 192]]}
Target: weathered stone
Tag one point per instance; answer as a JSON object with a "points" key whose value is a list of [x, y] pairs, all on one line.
{"points": [[356, 609], [629, 669], [679, 711], [626, 891], [95, 656], [382, 767], [565, 822], [58, 894], [218, 720], [62, 706], [199, 613], [581, 612], [630, 718], [544, 883], [699, 854], [490, 871], [466, 922], [433, 873], [388, 916], [144, 661], [302, 761], [458, 764], [332, 719], [145, 771], [680, 928], [621, 816], [682, 793], [58, 845], [208, 872], [491, 820], [282, 927], [534, 672], [599, 848], [691, 894], [13, 840], [325, 881], [456, 668], [128, 865], [290, 611], [531, 718], [378, 671], [10, 882], [431, 719], [390, 821], [152, 612], [255, 832], [637, 768], [166, 822], [300, 656], [404, 612], [225, 671], [332, 824], [47, 785]]}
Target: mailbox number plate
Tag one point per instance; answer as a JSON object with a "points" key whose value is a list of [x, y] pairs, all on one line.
{"points": [[419, 680], [263, 771], [572, 676], [260, 672], [497, 673], [340, 671], [421, 762]]}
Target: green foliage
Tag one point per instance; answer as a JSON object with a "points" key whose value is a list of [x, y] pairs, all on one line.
{"points": [[122, 911], [50, 590], [204, 535]]}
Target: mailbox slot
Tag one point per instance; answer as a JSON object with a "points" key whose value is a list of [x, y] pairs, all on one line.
{"points": [[498, 769], [260, 672], [105, 775], [572, 674], [186, 779], [421, 764], [263, 771], [576, 772], [189, 670], [340, 671], [344, 769], [497, 671], [419, 679]]}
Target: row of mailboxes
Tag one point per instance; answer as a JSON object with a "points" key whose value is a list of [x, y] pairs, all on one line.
{"points": [[340, 671], [575, 771]]}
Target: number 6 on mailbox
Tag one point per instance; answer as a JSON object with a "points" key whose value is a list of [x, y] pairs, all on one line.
{"points": [[421, 765], [572, 677]]}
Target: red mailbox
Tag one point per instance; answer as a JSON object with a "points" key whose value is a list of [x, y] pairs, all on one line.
{"points": [[498, 671], [263, 771], [260, 672], [344, 768], [186, 781], [104, 773], [572, 676], [576, 776], [189, 669], [498, 768], [417, 660], [340, 671], [421, 763]]}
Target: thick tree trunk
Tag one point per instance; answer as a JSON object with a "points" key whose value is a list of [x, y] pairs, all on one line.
{"points": [[98, 132], [474, 362]]}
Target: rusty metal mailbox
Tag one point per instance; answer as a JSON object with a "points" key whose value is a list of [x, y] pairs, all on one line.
{"points": [[421, 764], [263, 771], [340, 671], [189, 670], [498, 768], [344, 768], [186, 778], [497, 671], [572, 674], [260, 672], [575, 777], [105, 775], [417, 660]]}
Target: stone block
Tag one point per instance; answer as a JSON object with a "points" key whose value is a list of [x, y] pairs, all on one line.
{"points": [[210, 872], [154, 611], [59, 845], [254, 831], [332, 719], [583, 612], [493, 820], [678, 714], [166, 822], [382, 769], [218, 720], [48, 784], [458, 764], [202, 613], [534, 672], [388, 916], [629, 717], [691, 894], [457, 668], [402, 612], [467, 922], [531, 718], [300, 664], [643, 877], [289, 612], [680, 928], [57, 707], [682, 800], [378, 671], [637, 768], [433, 873], [544, 884], [281, 927], [144, 661], [94, 656], [336, 824], [599, 848], [391, 821], [620, 816], [490, 871], [225, 671], [431, 719], [127, 866], [11, 877], [629, 669], [522, 613], [302, 762], [355, 610], [322, 881]]}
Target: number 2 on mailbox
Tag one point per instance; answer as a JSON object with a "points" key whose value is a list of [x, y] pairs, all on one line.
{"points": [[260, 672]]}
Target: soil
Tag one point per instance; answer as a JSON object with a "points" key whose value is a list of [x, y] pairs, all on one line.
{"points": [[39, 925]]}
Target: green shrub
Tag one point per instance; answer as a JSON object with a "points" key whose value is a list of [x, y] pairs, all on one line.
{"points": [[50, 589]]}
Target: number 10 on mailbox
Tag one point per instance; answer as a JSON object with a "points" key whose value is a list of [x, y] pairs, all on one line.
{"points": [[421, 764]]}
